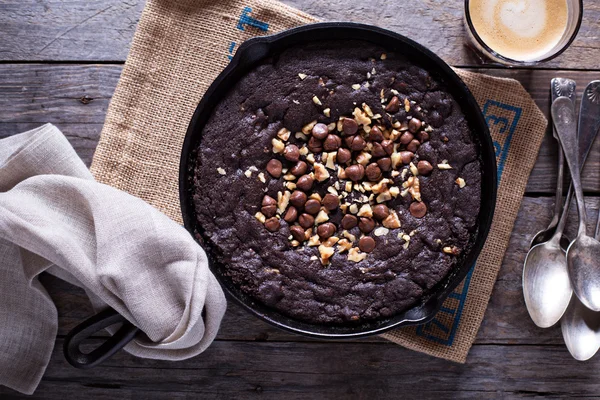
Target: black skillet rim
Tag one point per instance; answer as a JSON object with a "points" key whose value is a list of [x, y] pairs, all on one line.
{"points": [[254, 50]]}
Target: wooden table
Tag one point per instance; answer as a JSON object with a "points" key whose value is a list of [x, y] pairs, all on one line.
{"points": [[60, 61]]}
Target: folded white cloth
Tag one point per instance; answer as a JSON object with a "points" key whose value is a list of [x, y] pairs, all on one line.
{"points": [[54, 217]]}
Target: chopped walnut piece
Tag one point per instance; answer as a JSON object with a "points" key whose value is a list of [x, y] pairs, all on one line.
{"points": [[331, 241], [330, 164], [380, 186], [289, 177], [460, 182], [383, 197], [326, 253], [365, 211], [353, 208], [321, 217], [301, 136], [354, 254], [356, 86], [392, 221], [327, 112], [383, 56], [307, 129], [360, 117], [278, 145], [314, 258], [451, 250], [283, 199], [315, 196], [363, 158], [260, 217], [395, 174], [348, 236], [414, 187], [396, 160], [314, 241], [221, 171], [344, 245], [321, 173], [406, 105], [367, 109], [331, 126], [261, 177], [394, 191], [284, 134], [381, 231], [295, 243], [406, 241], [444, 165], [316, 100], [310, 158], [290, 185], [413, 169], [303, 151], [302, 76], [248, 173]]}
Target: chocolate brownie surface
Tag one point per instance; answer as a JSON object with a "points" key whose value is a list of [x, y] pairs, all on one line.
{"points": [[231, 181]]}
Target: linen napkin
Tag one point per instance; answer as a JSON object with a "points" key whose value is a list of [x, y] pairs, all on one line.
{"points": [[180, 46], [54, 217]]}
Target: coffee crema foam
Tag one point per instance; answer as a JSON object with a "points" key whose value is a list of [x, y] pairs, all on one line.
{"points": [[523, 30]]}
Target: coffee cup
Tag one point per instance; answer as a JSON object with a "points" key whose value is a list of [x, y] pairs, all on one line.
{"points": [[522, 32]]}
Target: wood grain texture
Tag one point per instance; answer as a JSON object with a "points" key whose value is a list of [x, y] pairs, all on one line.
{"points": [[94, 30], [234, 370], [76, 97]]}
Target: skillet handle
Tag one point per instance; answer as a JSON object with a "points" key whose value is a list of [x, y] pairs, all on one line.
{"points": [[87, 328]]}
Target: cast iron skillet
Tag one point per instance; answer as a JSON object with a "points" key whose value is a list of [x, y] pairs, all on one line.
{"points": [[247, 57]]}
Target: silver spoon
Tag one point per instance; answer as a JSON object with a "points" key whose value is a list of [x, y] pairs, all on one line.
{"points": [[583, 254], [580, 326], [558, 87], [546, 286]]}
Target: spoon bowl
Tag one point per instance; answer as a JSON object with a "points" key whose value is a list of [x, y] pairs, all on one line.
{"points": [[546, 286], [583, 256], [580, 328]]}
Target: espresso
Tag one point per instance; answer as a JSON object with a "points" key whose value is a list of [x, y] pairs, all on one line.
{"points": [[523, 30]]}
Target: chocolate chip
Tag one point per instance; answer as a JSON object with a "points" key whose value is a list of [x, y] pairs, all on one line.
{"points": [[375, 134], [424, 167], [299, 169], [326, 230], [343, 156], [349, 221], [332, 143], [315, 145], [298, 198], [381, 212], [356, 143], [423, 136], [406, 157], [331, 201], [366, 225], [320, 131], [349, 126], [272, 224], [413, 145], [385, 164], [291, 214], [366, 244], [274, 168], [291, 152], [377, 150], [298, 233], [268, 200], [355, 172], [388, 146], [418, 209], [406, 138], [393, 106], [373, 172], [306, 220], [305, 182], [414, 125], [269, 211], [312, 206]]}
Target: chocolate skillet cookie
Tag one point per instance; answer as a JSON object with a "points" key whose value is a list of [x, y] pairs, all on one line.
{"points": [[337, 183]]}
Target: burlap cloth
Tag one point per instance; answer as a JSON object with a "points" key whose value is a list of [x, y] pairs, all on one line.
{"points": [[179, 48]]}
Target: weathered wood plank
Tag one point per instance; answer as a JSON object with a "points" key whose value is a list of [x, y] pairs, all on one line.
{"points": [[506, 320], [71, 96], [327, 371], [94, 30]]}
